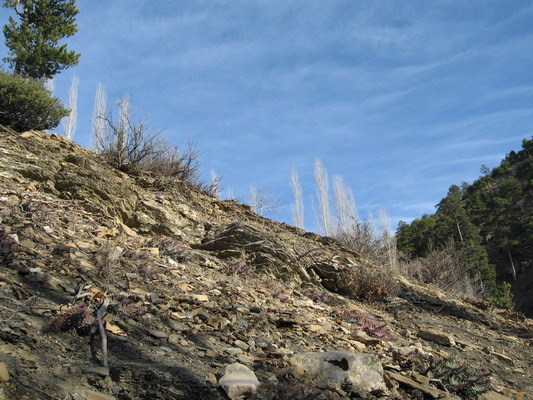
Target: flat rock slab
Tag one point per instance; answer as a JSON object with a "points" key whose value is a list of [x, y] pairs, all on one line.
{"points": [[157, 334], [92, 395], [493, 396], [428, 390], [4, 372], [238, 381], [99, 371], [436, 336], [334, 369]]}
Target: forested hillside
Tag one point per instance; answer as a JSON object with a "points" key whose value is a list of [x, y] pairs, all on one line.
{"points": [[491, 222]]}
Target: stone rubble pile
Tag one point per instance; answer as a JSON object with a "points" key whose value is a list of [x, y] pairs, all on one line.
{"points": [[206, 300]]}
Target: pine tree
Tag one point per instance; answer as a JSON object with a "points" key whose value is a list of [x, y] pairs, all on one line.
{"points": [[416, 239], [33, 42], [505, 206], [454, 222]]}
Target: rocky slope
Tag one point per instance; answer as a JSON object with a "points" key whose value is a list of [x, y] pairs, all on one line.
{"points": [[192, 285]]}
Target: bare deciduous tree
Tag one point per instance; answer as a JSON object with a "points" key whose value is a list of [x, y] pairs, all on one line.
{"points": [[345, 225], [322, 191], [297, 208], [127, 143], [445, 268], [261, 201], [345, 208], [50, 85], [70, 121], [388, 239], [99, 113], [215, 184]]}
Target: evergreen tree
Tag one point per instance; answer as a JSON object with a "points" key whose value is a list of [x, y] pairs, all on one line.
{"points": [[33, 42], [454, 222], [505, 206], [26, 104], [416, 239], [491, 220]]}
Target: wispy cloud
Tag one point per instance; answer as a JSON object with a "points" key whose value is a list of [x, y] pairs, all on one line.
{"points": [[472, 126], [484, 142], [402, 99]]}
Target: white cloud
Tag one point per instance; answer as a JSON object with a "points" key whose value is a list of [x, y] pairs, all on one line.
{"points": [[402, 99]]}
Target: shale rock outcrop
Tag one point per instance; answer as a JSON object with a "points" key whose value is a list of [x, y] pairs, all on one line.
{"points": [[182, 286]]}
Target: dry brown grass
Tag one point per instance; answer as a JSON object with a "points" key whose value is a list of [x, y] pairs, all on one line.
{"points": [[368, 283]]}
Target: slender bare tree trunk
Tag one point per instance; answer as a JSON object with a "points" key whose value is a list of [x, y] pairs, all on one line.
{"points": [[388, 239], [70, 122], [298, 206], [459, 230], [122, 131], [50, 85], [322, 189], [345, 208], [262, 201], [99, 114], [513, 269], [100, 314], [253, 200], [215, 184]]}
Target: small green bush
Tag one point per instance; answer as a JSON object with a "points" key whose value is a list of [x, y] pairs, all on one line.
{"points": [[502, 295], [25, 104]]}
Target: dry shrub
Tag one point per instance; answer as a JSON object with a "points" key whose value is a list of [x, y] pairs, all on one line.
{"points": [[78, 317], [171, 248], [463, 380], [368, 283], [370, 323], [241, 269], [321, 296], [168, 160], [108, 259], [8, 247], [445, 268], [131, 146], [125, 142], [362, 237], [127, 305], [143, 261], [295, 390], [213, 188]]}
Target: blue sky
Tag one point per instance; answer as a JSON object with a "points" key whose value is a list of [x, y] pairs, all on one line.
{"points": [[400, 98]]}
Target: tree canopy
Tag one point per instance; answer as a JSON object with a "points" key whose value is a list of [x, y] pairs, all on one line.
{"points": [[25, 104], [34, 41], [491, 220]]}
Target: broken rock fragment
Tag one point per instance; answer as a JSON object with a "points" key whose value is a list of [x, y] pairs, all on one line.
{"points": [[428, 390], [436, 336], [335, 369], [4, 373], [238, 381]]}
